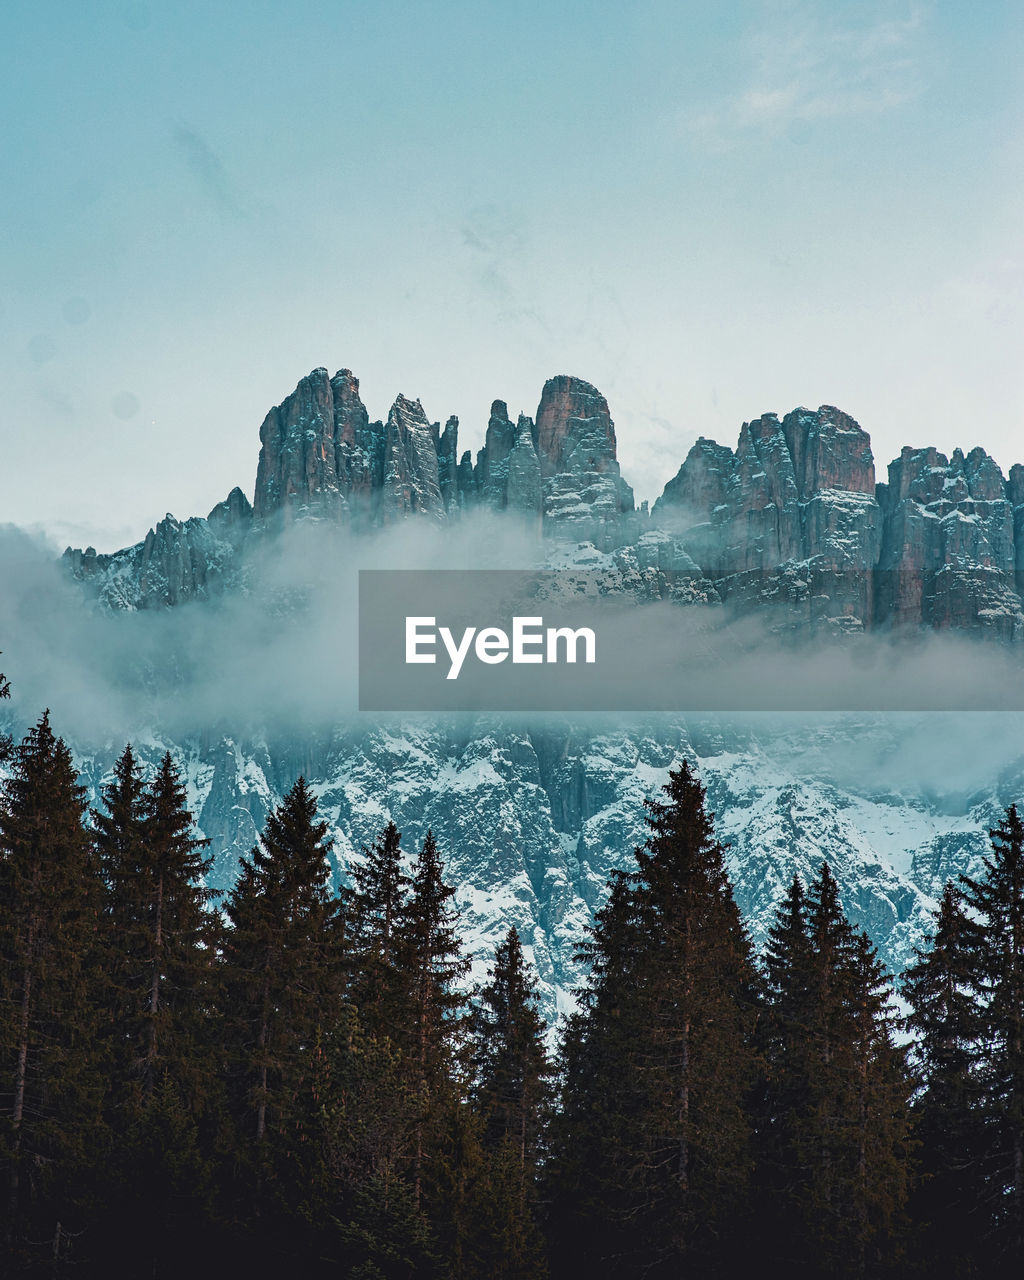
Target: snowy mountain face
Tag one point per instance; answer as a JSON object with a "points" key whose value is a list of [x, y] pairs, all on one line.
{"points": [[531, 820], [532, 817]]}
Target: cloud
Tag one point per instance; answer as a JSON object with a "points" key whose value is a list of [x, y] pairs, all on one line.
{"points": [[56, 400], [497, 238], [282, 659], [811, 65], [280, 656], [208, 169]]}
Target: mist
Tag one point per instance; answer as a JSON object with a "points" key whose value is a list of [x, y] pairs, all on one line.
{"points": [[282, 657]]}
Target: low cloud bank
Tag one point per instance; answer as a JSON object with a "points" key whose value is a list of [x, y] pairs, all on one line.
{"points": [[283, 656]]}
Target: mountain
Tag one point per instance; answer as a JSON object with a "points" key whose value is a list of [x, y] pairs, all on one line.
{"points": [[531, 820], [532, 817], [793, 515]]}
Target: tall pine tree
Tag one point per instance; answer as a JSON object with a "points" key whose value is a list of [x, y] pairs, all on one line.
{"points": [[995, 944], [160, 947], [281, 989], [162, 931], [51, 1060], [429, 956], [834, 1139], [784, 1178], [431, 1029], [375, 908], [511, 1093], [511, 1063], [946, 1020], [652, 1155]]}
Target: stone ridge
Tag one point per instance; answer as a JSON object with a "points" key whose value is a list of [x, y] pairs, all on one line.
{"points": [[795, 512], [320, 455], [792, 516], [584, 495], [412, 483], [175, 562], [951, 549]]}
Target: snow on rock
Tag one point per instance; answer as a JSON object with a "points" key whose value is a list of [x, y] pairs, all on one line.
{"points": [[532, 820]]}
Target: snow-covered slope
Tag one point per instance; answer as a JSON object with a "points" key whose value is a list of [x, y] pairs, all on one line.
{"points": [[532, 819]]}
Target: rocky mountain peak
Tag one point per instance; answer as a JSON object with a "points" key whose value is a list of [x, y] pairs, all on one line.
{"points": [[584, 495], [829, 451], [525, 483], [792, 513], [232, 518], [950, 550], [573, 416], [412, 479], [293, 457], [795, 491], [701, 485], [492, 460]]}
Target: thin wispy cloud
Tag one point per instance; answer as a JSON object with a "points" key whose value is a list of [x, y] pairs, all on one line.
{"points": [[208, 169], [807, 66], [496, 239]]}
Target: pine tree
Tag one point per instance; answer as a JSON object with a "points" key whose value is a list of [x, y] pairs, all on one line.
{"points": [[995, 945], [281, 984], [511, 1093], [429, 965], [511, 1063], [180, 929], [882, 1129], [784, 1178], [595, 1195], [430, 960], [50, 1052], [652, 1151], [375, 907], [947, 1021], [163, 933], [160, 944], [834, 1140]]}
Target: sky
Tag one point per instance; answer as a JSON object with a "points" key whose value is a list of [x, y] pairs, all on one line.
{"points": [[708, 211]]}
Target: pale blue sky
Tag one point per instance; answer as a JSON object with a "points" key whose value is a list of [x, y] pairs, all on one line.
{"points": [[709, 211]]}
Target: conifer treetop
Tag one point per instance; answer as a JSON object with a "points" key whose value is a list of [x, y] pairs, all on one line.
{"points": [[6, 745]]}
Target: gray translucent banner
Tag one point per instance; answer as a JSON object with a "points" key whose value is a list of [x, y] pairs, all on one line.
{"points": [[501, 640]]}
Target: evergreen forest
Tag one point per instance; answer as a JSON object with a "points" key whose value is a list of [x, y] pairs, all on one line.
{"points": [[289, 1081]]}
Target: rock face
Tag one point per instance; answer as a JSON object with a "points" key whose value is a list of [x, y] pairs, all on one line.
{"points": [[492, 461], [791, 512], [1015, 494], [949, 555], [175, 562], [793, 490], [584, 495], [530, 822], [448, 463], [560, 470], [792, 519], [412, 481], [320, 455], [525, 482]]}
